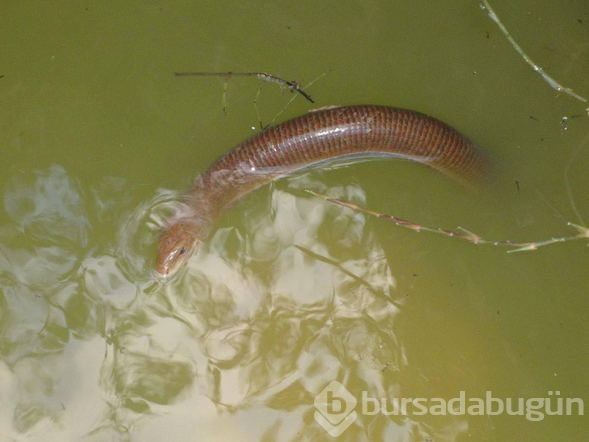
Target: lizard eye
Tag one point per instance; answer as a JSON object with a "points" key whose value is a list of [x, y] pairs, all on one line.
{"points": [[181, 250]]}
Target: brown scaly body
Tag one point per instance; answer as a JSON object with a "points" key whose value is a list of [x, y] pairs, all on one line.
{"points": [[325, 135]]}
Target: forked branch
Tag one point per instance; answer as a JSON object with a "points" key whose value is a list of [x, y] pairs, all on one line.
{"points": [[264, 76], [460, 232]]}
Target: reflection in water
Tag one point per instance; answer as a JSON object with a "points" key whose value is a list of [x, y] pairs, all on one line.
{"points": [[50, 209], [237, 346]]}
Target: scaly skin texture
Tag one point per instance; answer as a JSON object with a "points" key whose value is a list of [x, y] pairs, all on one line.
{"points": [[309, 141]]}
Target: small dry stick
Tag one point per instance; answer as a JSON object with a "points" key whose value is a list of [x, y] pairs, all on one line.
{"points": [[224, 96], [271, 78], [319, 77], [485, 6], [256, 98], [460, 232]]}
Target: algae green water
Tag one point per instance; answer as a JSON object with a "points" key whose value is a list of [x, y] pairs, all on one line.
{"points": [[99, 140]]}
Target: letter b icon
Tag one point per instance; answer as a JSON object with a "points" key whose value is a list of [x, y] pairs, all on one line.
{"points": [[335, 405], [335, 408]]}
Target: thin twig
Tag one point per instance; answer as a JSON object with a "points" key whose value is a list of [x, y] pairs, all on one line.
{"points": [[567, 182], [337, 265], [224, 96], [485, 6], [256, 98], [319, 77], [340, 267], [271, 78], [460, 232]]}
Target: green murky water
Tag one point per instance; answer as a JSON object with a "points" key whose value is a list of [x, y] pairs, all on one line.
{"points": [[98, 139]]}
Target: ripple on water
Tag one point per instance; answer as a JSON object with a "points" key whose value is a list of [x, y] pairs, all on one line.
{"points": [[293, 295]]}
